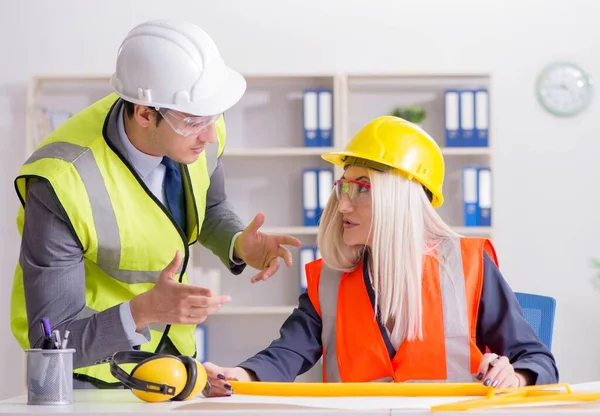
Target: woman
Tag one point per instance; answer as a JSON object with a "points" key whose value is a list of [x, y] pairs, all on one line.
{"points": [[444, 311]]}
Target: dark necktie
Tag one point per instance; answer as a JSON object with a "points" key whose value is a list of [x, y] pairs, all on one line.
{"points": [[174, 191]]}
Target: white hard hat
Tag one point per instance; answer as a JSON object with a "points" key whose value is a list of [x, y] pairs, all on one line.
{"points": [[175, 64]]}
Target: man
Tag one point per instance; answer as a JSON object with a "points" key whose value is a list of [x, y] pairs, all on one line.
{"points": [[113, 198]]}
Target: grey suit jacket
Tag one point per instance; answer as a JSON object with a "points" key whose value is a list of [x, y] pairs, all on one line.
{"points": [[54, 275]]}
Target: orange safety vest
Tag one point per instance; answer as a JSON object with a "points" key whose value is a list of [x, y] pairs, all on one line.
{"points": [[353, 347]]}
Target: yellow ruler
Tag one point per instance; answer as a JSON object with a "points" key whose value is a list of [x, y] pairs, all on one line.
{"points": [[483, 396], [358, 389]]}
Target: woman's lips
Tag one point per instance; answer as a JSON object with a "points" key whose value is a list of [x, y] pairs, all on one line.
{"points": [[349, 224]]}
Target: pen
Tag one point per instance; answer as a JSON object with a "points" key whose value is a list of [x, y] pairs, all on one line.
{"points": [[47, 327], [47, 343], [65, 339], [57, 343], [42, 329]]}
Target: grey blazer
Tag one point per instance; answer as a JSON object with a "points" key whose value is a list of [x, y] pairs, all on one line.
{"points": [[54, 275]]}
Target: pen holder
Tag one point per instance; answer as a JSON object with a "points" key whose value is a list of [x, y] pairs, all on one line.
{"points": [[49, 376]]}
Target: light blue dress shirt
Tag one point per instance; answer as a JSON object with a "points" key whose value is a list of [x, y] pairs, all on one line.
{"points": [[152, 173]]}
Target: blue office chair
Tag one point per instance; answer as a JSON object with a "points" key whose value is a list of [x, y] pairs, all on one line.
{"points": [[539, 313]]}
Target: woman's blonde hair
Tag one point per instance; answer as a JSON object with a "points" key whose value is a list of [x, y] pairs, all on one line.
{"points": [[405, 228]]}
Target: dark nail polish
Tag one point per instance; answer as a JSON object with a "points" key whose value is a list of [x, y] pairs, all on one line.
{"points": [[220, 376], [227, 386], [487, 382], [479, 376], [495, 383]]}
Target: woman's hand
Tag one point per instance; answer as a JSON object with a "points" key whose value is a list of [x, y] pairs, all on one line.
{"points": [[218, 376], [498, 372]]}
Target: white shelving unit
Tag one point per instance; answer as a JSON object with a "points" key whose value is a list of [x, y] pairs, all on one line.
{"points": [[264, 158], [257, 310]]}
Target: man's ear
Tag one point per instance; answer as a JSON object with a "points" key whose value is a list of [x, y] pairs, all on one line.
{"points": [[144, 115]]}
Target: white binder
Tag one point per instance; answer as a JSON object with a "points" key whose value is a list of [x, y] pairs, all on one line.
{"points": [[311, 117], [482, 118], [470, 196], [307, 254], [310, 197], [325, 118], [452, 118], [325, 188], [467, 118], [485, 197]]}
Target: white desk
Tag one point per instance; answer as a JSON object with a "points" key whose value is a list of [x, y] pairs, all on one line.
{"points": [[124, 403]]}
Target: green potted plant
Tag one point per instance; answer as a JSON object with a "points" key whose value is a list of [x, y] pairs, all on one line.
{"points": [[414, 113]]}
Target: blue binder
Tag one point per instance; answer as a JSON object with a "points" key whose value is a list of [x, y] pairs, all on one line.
{"points": [[452, 118], [467, 118], [307, 254], [470, 196], [482, 118], [484, 194], [325, 123], [310, 197], [324, 189], [311, 118]]}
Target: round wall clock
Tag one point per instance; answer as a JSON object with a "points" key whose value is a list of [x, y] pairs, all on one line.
{"points": [[564, 89]]}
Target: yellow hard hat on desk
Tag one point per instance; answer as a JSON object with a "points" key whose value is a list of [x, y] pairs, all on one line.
{"points": [[390, 142]]}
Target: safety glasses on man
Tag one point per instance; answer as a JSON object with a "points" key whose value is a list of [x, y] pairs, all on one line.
{"points": [[357, 191], [187, 125]]}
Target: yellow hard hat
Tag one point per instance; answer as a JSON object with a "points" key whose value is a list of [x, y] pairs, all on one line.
{"points": [[390, 142]]}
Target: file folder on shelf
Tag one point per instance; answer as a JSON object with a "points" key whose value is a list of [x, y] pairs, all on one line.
{"points": [[325, 118], [325, 187], [452, 118], [482, 118], [477, 196], [484, 196], [310, 197], [467, 119], [311, 118], [307, 254], [318, 117], [470, 196]]}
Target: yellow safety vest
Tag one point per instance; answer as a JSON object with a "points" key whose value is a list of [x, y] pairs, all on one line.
{"points": [[127, 236]]}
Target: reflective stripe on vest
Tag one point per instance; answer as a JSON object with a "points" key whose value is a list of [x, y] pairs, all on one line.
{"points": [[212, 154], [105, 220], [456, 325]]}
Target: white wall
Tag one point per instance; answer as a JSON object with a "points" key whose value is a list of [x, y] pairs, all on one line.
{"points": [[546, 169]]}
